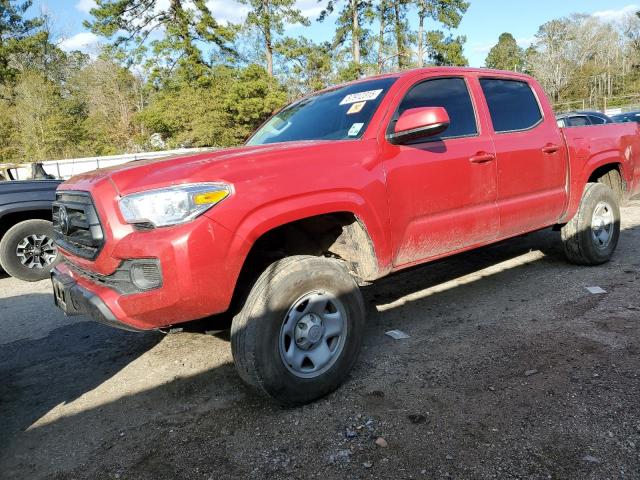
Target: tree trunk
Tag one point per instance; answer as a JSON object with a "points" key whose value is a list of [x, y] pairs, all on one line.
{"points": [[268, 47], [268, 51], [383, 12], [399, 33], [355, 33], [421, 15]]}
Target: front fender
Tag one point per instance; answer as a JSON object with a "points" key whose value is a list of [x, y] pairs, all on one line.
{"points": [[283, 211]]}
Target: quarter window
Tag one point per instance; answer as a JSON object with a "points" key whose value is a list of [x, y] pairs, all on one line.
{"points": [[512, 104], [450, 93]]}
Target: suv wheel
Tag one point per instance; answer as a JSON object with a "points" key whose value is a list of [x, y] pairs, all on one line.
{"points": [[27, 251], [299, 332]]}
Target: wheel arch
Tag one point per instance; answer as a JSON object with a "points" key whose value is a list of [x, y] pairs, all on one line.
{"points": [[322, 231], [612, 175], [9, 218], [607, 170]]}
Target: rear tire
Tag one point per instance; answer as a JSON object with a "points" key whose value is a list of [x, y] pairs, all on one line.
{"points": [[300, 330], [27, 251], [592, 235]]}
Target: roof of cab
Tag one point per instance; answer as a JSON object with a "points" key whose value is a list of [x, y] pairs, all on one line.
{"points": [[453, 71]]}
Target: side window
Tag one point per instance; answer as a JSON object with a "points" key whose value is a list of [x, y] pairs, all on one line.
{"points": [[578, 121], [512, 104], [596, 120], [450, 93]]}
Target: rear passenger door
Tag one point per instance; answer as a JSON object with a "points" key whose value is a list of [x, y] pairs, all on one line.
{"points": [[531, 164]]}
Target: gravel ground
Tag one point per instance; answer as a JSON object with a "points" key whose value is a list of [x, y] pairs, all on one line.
{"points": [[512, 370]]}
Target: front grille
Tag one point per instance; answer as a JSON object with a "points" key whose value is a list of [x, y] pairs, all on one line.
{"points": [[81, 232]]}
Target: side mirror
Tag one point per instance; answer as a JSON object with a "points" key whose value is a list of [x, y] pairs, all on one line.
{"points": [[419, 123]]}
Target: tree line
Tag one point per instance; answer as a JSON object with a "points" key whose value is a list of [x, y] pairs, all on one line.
{"points": [[580, 59], [171, 74]]}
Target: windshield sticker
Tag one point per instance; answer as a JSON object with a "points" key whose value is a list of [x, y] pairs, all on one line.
{"points": [[355, 129], [359, 97], [356, 108]]}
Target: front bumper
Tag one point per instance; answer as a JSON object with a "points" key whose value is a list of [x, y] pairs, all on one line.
{"points": [[198, 270], [73, 299]]}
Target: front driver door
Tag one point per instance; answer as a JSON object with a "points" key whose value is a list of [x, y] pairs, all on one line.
{"points": [[441, 191]]}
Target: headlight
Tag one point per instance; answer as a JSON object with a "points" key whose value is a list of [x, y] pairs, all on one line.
{"points": [[173, 205]]}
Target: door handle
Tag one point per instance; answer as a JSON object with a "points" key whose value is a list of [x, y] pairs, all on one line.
{"points": [[482, 157], [550, 148]]}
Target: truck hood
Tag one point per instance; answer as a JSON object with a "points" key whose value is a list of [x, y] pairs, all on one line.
{"points": [[224, 165]]}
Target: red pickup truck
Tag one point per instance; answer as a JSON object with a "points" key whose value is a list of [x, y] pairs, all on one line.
{"points": [[336, 190]]}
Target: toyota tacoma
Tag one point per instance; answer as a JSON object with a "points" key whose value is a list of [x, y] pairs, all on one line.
{"points": [[337, 190]]}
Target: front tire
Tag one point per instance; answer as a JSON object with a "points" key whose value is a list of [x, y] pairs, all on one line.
{"points": [[300, 330], [592, 235], [27, 251]]}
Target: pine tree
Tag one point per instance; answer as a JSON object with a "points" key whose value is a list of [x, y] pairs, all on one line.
{"points": [[446, 50], [183, 26], [269, 17], [17, 34], [506, 54], [448, 13], [351, 27]]}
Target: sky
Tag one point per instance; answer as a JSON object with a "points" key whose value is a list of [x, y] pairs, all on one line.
{"points": [[482, 25]]}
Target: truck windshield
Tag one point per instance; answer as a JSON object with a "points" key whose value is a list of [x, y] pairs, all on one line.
{"points": [[338, 114]]}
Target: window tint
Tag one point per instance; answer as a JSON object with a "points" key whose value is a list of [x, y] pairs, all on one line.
{"points": [[450, 93], [596, 120], [580, 121], [512, 104]]}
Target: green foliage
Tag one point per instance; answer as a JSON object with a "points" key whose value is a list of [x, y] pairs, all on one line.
{"points": [[8, 144], [110, 96], [223, 113], [47, 124], [401, 32], [269, 17], [18, 34], [506, 54], [183, 27], [307, 65], [446, 50], [350, 28], [447, 12]]}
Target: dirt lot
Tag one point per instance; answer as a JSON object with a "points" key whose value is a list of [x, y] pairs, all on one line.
{"points": [[512, 370]]}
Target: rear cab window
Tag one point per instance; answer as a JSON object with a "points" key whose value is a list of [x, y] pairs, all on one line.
{"points": [[512, 104], [452, 94]]}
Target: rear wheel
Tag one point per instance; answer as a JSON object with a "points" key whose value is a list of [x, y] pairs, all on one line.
{"points": [[27, 251], [591, 237], [299, 332]]}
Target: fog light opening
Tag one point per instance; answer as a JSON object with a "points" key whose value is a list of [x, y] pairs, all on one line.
{"points": [[146, 275]]}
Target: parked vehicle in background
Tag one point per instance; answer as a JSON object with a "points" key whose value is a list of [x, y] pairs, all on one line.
{"points": [[582, 118], [627, 117], [339, 189], [35, 171], [27, 250]]}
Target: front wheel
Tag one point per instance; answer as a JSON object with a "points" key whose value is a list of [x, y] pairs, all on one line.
{"points": [[27, 251], [300, 330], [591, 237]]}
